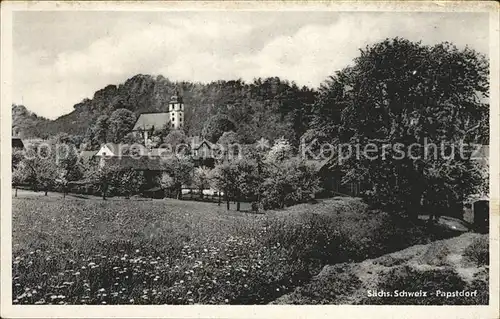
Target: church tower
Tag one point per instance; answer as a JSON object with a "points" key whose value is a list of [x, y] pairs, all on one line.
{"points": [[176, 110]]}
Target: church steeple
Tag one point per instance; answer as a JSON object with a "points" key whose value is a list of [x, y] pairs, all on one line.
{"points": [[176, 109]]}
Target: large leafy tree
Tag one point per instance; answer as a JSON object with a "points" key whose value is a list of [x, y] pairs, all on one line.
{"points": [[247, 180], [130, 182], [121, 123], [107, 177], [176, 142], [229, 144], [38, 167], [201, 179], [402, 92], [216, 126], [280, 151], [18, 177], [289, 182], [17, 157], [179, 172], [223, 179], [238, 179], [68, 165], [97, 133]]}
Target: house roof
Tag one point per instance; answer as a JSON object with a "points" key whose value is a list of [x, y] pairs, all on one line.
{"points": [[87, 154], [158, 152], [200, 144], [142, 163], [147, 121], [125, 148], [113, 147]]}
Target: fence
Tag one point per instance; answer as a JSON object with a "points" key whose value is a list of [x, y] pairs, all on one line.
{"points": [[194, 194]]}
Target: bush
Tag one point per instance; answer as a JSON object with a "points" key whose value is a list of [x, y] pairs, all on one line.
{"points": [[478, 252], [289, 182], [436, 254], [327, 289]]}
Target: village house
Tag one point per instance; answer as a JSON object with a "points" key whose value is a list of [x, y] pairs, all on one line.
{"points": [[202, 152], [17, 142], [114, 149]]}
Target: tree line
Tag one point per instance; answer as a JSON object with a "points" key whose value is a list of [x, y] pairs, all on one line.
{"points": [[273, 178]]}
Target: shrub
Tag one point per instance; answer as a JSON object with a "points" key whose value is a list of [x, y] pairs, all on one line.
{"points": [[436, 254], [478, 252], [321, 290], [289, 182], [311, 240]]}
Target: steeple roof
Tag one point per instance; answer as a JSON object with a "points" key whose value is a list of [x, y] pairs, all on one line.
{"points": [[147, 121]]}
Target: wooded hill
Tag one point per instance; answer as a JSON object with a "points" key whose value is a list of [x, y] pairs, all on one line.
{"points": [[268, 108]]}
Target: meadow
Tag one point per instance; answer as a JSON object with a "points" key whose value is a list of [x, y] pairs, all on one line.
{"points": [[138, 251]]}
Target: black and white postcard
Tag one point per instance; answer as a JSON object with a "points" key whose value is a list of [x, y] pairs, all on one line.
{"points": [[250, 160]]}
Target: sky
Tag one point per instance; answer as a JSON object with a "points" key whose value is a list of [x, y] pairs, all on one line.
{"points": [[62, 57]]}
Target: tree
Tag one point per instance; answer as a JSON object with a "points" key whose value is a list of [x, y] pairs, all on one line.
{"points": [[47, 174], [62, 138], [289, 182], [161, 133], [18, 177], [68, 165], [280, 151], [67, 159], [406, 93], [216, 126], [223, 179], [179, 172], [247, 134], [239, 180], [106, 176], [97, 135], [62, 180], [201, 179], [229, 144], [177, 142], [39, 167], [166, 183], [247, 180], [17, 157], [132, 138], [121, 123], [130, 182]]}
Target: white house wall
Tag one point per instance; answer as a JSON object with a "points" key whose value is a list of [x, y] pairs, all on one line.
{"points": [[104, 151]]}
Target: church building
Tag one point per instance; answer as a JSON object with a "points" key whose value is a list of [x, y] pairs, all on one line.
{"points": [[174, 118]]}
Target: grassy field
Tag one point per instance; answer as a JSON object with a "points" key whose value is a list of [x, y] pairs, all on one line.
{"points": [[138, 251]]}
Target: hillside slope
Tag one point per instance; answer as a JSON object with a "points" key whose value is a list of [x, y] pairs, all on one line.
{"points": [[459, 263], [24, 121], [266, 107]]}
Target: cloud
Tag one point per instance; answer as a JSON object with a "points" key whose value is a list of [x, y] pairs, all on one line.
{"points": [[50, 77]]}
